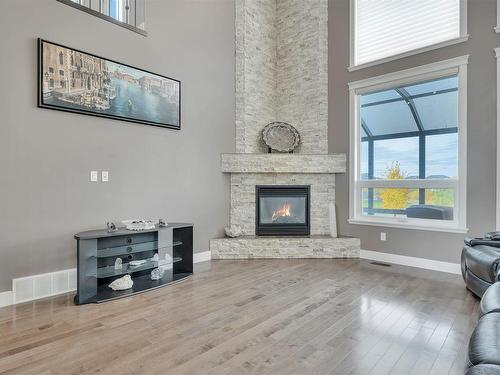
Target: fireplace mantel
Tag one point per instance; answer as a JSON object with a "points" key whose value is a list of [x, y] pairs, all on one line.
{"points": [[283, 163]]}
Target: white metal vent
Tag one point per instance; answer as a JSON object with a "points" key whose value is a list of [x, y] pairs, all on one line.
{"points": [[43, 285]]}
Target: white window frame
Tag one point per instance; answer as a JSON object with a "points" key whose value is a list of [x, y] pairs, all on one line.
{"points": [[464, 36], [497, 55], [437, 70], [497, 27]]}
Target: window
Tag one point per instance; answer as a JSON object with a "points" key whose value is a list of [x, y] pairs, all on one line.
{"points": [[61, 72], [408, 154], [127, 13], [51, 70], [385, 30], [61, 58]]}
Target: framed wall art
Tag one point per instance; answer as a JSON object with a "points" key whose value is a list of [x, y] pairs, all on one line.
{"points": [[75, 81]]}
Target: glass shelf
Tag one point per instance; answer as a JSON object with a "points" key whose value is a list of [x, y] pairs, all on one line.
{"points": [[110, 271], [132, 249], [141, 284]]}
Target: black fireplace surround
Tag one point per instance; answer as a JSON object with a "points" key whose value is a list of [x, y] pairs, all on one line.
{"points": [[282, 210]]}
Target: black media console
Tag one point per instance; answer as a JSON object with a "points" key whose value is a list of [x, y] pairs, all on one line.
{"points": [[98, 251]]}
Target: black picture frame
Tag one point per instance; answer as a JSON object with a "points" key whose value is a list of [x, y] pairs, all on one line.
{"points": [[66, 102]]}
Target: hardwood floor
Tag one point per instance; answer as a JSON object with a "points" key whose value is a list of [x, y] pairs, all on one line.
{"points": [[254, 317]]}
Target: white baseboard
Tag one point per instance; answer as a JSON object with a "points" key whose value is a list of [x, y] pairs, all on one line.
{"points": [[429, 264], [6, 298], [202, 257]]}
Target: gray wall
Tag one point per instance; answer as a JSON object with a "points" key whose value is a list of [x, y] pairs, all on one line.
{"points": [[46, 155], [481, 131]]}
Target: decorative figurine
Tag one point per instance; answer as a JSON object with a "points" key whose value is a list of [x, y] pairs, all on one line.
{"points": [[122, 283], [166, 261], [162, 223], [111, 227], [233, 231], [136, 263], [139, 225], [157, 273], [118, 264]]}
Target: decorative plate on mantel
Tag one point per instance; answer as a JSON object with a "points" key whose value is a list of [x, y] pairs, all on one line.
{"points": [[280, 137]]}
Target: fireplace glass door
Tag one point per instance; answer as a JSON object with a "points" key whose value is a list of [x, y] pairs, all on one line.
{"points": [[282, 210]]}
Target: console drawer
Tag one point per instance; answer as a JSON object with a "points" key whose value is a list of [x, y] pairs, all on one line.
{"points": [[116, 241]]}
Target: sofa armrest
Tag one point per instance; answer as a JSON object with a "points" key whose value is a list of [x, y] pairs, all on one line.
{"points": [[481, 241], [491, 300], [483, 261]]}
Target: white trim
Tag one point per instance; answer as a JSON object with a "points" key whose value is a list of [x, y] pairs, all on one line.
{"points": [[6, 298], [435, 70], [464, 36], [202, 257], [428, 264], [461, 198], [457, 65], [497, 55], [410, 225], [497, 27], [352, 34], [463, 19], [432, 47]]}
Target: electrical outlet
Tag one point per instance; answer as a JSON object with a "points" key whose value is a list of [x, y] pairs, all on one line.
{"points": [[383, 236], [93, 176], [105, 176]]}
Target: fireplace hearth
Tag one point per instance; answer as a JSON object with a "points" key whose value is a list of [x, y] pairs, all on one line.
{"points": [[282, 210]]}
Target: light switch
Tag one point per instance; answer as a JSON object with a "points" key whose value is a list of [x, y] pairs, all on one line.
{"points": [[93, 176], [105, 176]]}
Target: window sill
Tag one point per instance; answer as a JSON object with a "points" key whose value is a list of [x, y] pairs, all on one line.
{"points": [[446, 43], [408, 225]]}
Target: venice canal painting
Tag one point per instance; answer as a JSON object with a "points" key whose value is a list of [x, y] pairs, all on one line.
{"points": [[75, 81]]}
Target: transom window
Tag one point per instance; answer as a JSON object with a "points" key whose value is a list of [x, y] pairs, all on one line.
{"points": [[383, 30], [407, 148], [126, 13]]}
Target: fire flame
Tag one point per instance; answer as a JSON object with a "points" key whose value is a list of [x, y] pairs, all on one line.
{"points": [[283, 211]]}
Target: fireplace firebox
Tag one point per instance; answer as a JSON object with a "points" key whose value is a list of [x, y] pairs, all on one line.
{"points": [[282, 210]]}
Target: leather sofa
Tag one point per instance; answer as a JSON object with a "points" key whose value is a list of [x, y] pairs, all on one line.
{"points": [[480, 263], [484, 344]]}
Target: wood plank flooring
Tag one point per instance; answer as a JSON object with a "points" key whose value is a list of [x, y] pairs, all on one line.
{"points": [[337, 317]]}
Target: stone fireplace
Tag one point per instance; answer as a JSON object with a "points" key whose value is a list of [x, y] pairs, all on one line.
{"points": [[282, 75]]}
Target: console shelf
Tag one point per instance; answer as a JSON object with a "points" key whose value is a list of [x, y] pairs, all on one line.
{"points": [[98, 251], [110, 271], [141, 284], [138, 248]]}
